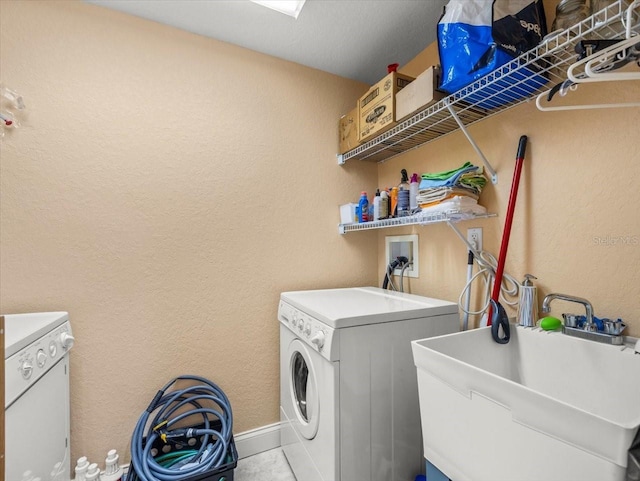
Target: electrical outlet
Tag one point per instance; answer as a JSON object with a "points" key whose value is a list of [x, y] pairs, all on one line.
{"points": [[474, 236]]}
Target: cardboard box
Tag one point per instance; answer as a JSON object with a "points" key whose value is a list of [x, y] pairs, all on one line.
{"points": [[376, 108], [348, 128], [419, 93]]}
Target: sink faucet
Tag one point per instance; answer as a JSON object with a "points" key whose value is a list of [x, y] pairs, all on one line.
{"points": [[589, 326]]}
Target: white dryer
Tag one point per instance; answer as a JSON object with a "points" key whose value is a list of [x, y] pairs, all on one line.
{"points": [[348, 391], [37, 396]]}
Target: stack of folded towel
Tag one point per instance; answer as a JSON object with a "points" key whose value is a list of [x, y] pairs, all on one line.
{"points": [[455, 191]]}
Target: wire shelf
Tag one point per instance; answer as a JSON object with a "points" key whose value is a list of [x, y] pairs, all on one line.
{"points": [[518, 81], [420, 218]]}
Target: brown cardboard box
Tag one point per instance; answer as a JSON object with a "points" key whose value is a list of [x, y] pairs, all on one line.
{"points": [[419, 93], [348, 128], [377, 106]]}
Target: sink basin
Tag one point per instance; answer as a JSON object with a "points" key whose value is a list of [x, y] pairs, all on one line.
{"points": [[545, 406]]}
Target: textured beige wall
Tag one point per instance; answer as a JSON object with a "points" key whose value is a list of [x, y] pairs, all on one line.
{"points": [[164, 189], [576, 225]]}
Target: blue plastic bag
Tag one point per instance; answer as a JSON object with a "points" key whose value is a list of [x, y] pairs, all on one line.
{"points": [[469, 50], [465, 43]]}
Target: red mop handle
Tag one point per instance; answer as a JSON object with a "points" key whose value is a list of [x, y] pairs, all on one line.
{"points": [[522, 146]]}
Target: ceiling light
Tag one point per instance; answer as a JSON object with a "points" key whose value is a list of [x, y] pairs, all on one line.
{"points": [[288, 7]]}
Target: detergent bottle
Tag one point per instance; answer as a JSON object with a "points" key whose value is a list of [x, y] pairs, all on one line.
{"points": [[394, 202], [384, 204], [376, 205], [363, 208]]}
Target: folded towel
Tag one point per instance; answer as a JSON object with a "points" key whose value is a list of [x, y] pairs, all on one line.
{"points": [[445, 175], [437, 194], [449, 178], [475, 180], [459, 206]]}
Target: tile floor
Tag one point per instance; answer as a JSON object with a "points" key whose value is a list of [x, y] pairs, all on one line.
{"points": [[267, 466]]}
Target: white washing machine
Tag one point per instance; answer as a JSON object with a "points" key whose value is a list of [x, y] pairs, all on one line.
{"points": [[348, 390], [37, 396]]}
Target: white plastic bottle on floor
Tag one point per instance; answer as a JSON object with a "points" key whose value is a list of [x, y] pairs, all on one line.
{"points": [[112, 470], [93, 473], [81, 469]]}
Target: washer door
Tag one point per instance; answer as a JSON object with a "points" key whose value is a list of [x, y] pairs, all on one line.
{"points": [[303, 388]]}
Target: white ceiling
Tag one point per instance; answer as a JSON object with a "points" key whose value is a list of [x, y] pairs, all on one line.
{"points": [[355, 39]]}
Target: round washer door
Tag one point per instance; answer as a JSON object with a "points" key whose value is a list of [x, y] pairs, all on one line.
{"points": [[303, 388]]}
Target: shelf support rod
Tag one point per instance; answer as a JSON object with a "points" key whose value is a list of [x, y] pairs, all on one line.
{"points": [[463, 238], [494, 175]]}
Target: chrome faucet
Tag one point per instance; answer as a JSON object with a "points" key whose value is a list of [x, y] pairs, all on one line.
{"points": [[589, 326]]}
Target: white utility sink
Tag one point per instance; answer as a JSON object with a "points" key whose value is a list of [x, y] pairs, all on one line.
{"points": [[544, 407]]}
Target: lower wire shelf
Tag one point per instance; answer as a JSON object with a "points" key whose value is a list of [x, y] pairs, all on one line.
{"points": [[420, 218]]}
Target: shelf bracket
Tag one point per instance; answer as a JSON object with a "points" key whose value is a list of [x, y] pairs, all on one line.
{"points": [[340, 158], [463, 128], [463, 238]]}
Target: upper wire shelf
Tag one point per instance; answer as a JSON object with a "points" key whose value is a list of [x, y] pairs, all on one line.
{"points": [[518, 81]]}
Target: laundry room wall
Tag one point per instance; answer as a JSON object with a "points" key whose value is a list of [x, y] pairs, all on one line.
{"points": [[164, 188], [576, 225]]}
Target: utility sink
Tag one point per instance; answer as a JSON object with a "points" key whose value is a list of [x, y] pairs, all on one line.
{"points": [[544, 407]]}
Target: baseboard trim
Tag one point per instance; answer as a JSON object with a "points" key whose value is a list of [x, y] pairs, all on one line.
{"points": [[257, 440]]}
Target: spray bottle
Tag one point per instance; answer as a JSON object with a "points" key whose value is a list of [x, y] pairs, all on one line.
{"points": [[528, 305], [403, 194], [413, 192]]}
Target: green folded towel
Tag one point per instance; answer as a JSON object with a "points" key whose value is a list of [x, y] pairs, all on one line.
{"points": [[446, 175]]}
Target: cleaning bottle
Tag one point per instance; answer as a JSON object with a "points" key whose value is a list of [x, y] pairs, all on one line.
{"points": [[363, 208], [81, 468], [112, 471], [413, 192], [528, 305], [384, 204], [403, 194], [394, 202], [376, 205]]}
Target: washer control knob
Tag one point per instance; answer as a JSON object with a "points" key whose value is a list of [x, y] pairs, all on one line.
{"points": [[294, 319], [41, 358], [67, 340], [307, 329], [53, 349], [27, 368], [301, 325], [318, 339]]}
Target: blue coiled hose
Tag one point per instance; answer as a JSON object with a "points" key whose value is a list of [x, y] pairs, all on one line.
{"points": [[171, 408]]}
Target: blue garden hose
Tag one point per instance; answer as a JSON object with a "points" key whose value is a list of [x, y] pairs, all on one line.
{"points": [[171, 408]]}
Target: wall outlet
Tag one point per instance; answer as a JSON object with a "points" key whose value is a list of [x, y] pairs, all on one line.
{"points": [[474, 236], [406, 246]]}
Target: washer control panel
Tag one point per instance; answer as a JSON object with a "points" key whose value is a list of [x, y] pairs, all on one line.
{"points": [[315, 333], [29, 364]]}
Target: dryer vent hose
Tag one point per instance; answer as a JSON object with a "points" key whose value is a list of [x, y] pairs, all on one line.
{"points": [[197, 398]]}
